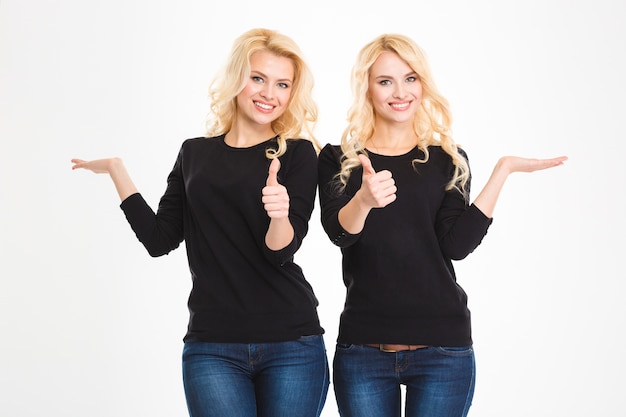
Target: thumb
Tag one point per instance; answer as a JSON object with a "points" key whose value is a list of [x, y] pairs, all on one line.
{"points": [[272, 177], [367, 165]]}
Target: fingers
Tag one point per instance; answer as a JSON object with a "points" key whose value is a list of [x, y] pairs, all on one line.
{"points": [[378, 189], [367, 165], [99, 166], [381, 191], [519, 164], [82, 164], [272, 177], [275, 197], [550, 163], [276, 201], [77, 163], [559, 160], [538, 164]]}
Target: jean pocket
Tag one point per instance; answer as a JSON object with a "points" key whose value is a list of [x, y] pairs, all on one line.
{"points": [[456, 351], [310, 341]]}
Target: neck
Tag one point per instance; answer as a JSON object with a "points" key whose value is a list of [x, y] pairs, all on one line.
{"points": [[246, 135], [392, 141]]}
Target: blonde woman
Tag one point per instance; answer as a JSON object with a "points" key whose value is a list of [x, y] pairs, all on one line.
{"points": [[395, 198], [241, 199]]}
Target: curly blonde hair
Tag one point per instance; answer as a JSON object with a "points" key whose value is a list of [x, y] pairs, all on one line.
{"points": [[298, 120], [432, 120]]}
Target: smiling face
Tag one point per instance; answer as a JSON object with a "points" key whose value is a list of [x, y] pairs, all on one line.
{"points": [[394, 89], [266, 94]]}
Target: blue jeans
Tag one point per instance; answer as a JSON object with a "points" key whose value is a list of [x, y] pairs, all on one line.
{"points": [[260, 379], [439, 381]]}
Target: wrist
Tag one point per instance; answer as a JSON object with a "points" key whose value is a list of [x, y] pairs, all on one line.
{"points": [[360, 202], [503, 166], [115, 166]]}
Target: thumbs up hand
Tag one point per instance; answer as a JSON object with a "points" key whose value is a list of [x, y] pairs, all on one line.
{"points": [[275, 196], [378, 189]]}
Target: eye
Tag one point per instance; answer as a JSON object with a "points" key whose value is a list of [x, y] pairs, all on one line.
{"points": [[385, 82], [283, 85], [411, 79], [257, 79]]}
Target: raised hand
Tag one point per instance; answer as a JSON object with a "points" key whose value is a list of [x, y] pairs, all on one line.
{"points": [[518, 164], [116, 170], [275, 196], [488, 197], [99, 166], [378, 189]]}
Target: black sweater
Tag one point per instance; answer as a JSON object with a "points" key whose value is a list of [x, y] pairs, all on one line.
{"points": [[242, 291], [401, 284]]}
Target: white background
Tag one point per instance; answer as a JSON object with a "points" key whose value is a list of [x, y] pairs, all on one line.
{"points": [[90, 325]]}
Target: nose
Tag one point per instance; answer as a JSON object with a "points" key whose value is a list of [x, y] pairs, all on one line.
{"points": [[267, 92], [399, 91]]}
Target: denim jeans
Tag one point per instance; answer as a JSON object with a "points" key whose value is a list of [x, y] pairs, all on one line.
{"points": [[439, 381], [259, 379]]}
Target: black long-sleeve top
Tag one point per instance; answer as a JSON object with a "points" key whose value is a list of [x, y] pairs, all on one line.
{"points": [[242, 291], [401, 284]]}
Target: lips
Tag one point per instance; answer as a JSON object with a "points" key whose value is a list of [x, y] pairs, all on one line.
{"points": [[263, 106], [400, 106]]}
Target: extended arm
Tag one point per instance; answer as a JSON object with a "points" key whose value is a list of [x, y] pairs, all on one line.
{"points": [[159, 233], [116, 170], [487, 198]]}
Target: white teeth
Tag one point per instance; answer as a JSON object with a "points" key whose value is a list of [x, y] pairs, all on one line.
{"points": [[400, 105], [263, 106]]}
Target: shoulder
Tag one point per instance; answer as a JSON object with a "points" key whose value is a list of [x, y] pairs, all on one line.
{"points": [[301, 146], [329, 163], [462, 152], [331, 152], [196, 149], [439, 153], [200, 141], [299, 152], [193, 146]]}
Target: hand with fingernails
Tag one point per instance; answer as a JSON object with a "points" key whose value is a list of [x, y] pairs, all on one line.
{"points": [[275, 196], [378, 189]]}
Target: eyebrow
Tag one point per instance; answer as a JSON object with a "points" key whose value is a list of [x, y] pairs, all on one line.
{"points": [[265, 76], [389, 76]]}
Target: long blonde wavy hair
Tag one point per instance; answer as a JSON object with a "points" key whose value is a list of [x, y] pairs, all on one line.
{"points": [[299, 119], [432, 120]]}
